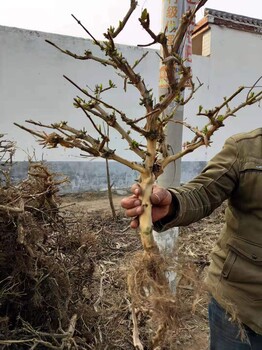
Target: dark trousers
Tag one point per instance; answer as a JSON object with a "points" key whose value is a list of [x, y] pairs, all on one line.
{"points": [[225, 335]]}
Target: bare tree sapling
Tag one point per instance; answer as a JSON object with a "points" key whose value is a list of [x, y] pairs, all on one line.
{"points": [[148, 284]]}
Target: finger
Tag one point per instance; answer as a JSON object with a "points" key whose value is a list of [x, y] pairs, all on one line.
{"points": [[160, 196], [136, 211], [136, 189], [134, 223], [130, 202]]}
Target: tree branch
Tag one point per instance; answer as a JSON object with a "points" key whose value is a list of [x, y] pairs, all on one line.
{"points": [[216, 120], [96, 42], [114, 32], [88, 56]]}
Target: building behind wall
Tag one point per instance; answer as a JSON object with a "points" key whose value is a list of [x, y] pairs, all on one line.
{"points": [[227, 51]]}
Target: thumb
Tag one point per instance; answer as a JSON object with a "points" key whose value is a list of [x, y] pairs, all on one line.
{"points": [[160, 196]]}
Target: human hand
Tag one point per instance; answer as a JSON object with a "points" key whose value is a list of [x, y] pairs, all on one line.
{"points": [[161, 200]]}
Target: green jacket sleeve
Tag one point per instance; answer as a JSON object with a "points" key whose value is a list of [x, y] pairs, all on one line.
{"points": [[199, 197]]}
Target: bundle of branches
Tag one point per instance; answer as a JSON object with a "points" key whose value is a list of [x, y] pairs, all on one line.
{"points": [[34, 285]]}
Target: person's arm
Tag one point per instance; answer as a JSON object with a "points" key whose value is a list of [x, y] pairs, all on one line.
{"points": [[199, 197]]}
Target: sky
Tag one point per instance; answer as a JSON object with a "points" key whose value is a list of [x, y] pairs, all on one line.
{"points": [[54, 16]]}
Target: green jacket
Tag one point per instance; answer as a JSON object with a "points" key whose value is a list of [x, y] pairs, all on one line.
{"points": [[235, 173]]}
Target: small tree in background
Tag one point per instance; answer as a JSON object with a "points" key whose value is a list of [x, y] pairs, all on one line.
{"points": [[147, 282]]}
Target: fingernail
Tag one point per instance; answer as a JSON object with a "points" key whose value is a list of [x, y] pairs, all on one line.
{"points": [[136, 203]]}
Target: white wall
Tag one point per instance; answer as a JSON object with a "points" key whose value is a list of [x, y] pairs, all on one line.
{"points": [[32, 86], [235, 60]]}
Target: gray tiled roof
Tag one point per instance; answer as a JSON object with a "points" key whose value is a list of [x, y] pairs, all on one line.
{"points": [[231, 17]]}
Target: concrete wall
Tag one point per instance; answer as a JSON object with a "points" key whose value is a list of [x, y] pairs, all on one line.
{"points": [[91, 175]]}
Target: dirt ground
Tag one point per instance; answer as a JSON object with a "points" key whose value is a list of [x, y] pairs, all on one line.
{"points": [[195, 244], [92, 201]]}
